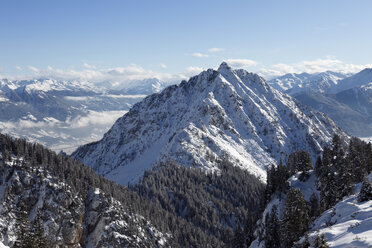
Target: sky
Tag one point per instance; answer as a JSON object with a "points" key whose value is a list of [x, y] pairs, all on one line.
{"points": [[134, 39]]}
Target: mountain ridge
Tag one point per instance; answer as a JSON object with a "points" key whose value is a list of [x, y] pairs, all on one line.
{"points": [[217, 114]]}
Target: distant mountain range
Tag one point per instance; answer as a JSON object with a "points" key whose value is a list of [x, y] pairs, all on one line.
{"points": [[347, 100], [65, 114], [293, 83]]}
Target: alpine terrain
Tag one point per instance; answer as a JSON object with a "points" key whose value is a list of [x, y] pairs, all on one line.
{"points": [[293, 83], [57, 113], [348, 103], [224, 113]]}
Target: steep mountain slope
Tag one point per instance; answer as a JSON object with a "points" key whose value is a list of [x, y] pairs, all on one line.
{"points": [[230, 114], [351, 109], [293, 83]]}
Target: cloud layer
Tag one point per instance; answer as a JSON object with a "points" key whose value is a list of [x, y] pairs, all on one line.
{"points": [[312, 66], [121, 77]]}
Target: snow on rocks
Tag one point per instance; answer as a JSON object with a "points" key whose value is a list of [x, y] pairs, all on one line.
{"points": [[218, 114]]}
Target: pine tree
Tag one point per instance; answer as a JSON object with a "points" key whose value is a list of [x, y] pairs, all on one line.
{"points": [[320, 242], [272, 229], [38, 232], [306, 243], [299, 161], [24, 237], [327, 180], [313, 206], [239, 238], [280, 178], [345, 179], [295, 217], [357, 159], [365, 193]]}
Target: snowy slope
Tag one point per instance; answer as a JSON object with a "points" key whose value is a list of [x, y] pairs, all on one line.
{"points": [[219, 114], [293, 83], [347, 224], [350, 224]]}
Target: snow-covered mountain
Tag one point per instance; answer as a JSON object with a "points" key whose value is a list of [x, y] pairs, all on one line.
{"points": [[351, 109], [361, 78], [65, 114], [223, 114], [293, 83]]}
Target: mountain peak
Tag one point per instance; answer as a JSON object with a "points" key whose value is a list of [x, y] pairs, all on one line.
{"points": [[223, 67], [195, 124]]}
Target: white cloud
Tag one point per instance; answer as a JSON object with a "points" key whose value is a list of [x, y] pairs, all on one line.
{"points": [[88, 66], [122, 77], [193, 70], [163, 66], [312, 66], [18, 68], [215, 49], [199, 55], [95, 118], [32, 68], [119, 77], [241, 63]]}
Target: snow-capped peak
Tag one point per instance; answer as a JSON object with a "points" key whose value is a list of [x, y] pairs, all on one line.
{"points": [[223, 114], [224, 67]]}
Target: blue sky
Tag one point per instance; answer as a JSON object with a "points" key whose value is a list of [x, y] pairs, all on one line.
{"points": [[174, 39]]}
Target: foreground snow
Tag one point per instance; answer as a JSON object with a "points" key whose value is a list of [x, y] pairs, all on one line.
{"points": [[348, 224], [3, 246], [366, 139]]}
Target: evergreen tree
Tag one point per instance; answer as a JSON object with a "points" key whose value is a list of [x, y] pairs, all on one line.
{"points": [[357, 159], [313, 206], [24, 237], [38, 232], [295, 217], [345, 179], [306, 243], [299, 161], [272, 229], [365, 193], [239, 238], [320, 242], [327, 180]]}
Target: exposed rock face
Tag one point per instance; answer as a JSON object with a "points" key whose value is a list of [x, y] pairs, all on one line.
{"points": [[219, 114]]}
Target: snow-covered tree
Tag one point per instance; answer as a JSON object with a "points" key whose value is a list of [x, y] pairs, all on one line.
{"points": [[365, 193], [299, 161], [320, 242], [272, 229], [295, 218]]}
